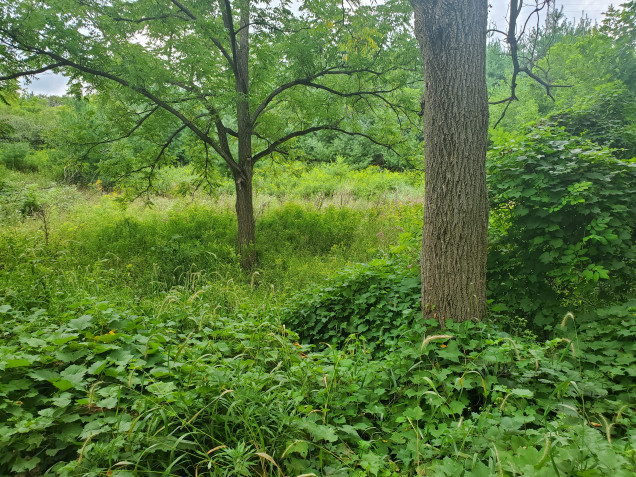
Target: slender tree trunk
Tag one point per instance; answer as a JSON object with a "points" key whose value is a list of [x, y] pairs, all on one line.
{"points": [[452, 37], [245, 216], [243, 180]]}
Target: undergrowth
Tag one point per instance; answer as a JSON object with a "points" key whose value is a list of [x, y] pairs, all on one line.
{"points": [[102, 391], [132, 344]]}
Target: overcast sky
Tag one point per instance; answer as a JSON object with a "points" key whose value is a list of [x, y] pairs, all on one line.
{"points": [[56, 84]]}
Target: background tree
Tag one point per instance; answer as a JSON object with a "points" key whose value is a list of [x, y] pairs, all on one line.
{"points": [[597, 65], [244, 77]]}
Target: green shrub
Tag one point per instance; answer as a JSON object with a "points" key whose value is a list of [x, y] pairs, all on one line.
{"points": [[98, 390], [162, 251], [377, 301], [323, 180], [16, 156], [562, 224], [606, 118], [18, 202], [104, 387], [373, 182], [606, 339]]}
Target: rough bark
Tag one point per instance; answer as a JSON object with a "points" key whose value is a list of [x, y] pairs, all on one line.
{"points": [[452, 37]]}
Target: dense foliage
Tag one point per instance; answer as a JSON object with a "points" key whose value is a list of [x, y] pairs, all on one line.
{"points": [[378, 300], [133, 344], [108, 392], [562, 215]]}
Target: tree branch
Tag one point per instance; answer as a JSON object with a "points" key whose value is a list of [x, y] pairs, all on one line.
{"points": [[543, 83], [303, 132], [214, 40], [127, 135], [149, 95], [183, 8], [512, 38], [30, 72], [226, 13], [147, 19], [153, 165], [306, 81]]}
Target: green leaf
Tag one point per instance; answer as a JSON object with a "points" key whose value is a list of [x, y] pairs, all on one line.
{"points": [[298, 447], [371, 462], [81, 323], [44, 375], [17, 363], [415, 413], [21, 465], [524, 393], [320, 432]]}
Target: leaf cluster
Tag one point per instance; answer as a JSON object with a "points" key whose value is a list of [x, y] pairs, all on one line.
{"points": [[562, 226]]}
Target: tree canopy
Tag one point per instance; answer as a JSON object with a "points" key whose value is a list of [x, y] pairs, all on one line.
{"points": [[245, 78]]}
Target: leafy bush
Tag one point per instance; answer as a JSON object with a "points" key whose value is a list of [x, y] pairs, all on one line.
{"points": [[107, 387], [606, 118], [377, 301], [16, 156], [191, 239], [562, 224], [18, 202], [471, 400], [302, 181], [605, 338]]}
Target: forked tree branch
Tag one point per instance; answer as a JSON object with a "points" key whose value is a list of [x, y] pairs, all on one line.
{"points": [[513, 38]]}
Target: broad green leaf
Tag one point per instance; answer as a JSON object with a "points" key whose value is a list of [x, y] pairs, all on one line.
{"points": [[81, 323], [319, 431]]}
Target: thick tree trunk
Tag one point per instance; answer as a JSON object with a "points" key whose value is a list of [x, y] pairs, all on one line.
{"points": [[452, 36]]}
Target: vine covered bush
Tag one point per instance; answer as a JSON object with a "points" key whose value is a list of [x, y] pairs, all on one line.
{"points": [[562, 224], [376, 301]]}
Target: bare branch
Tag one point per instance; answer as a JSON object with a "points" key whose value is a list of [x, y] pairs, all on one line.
{"points": [[501, 101], [513, 38], [543, 83], [503, 113]]}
